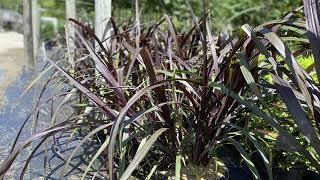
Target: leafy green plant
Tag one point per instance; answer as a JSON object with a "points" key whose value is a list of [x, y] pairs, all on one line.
{"points": [[292, 83]]}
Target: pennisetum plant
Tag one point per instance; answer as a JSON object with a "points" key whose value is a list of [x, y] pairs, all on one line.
{"points": [[163, 102]]}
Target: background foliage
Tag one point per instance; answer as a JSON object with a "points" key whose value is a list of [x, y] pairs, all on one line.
{"points": [[226, 15]]}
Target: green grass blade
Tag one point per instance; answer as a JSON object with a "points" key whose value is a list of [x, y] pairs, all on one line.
{"points": [[298, 114], [178, 166], [258, 146], [244, 67], [141, 154], [101, 149], [151, 172], [246, 158], [119, 120], [285, 137]]}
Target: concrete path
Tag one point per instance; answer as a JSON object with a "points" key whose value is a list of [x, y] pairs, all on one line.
{"points": [[11, 61], [14, 109], [13, 80]]}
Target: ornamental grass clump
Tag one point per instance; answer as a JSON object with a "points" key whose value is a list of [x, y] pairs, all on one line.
{"points": [[162, 103]]}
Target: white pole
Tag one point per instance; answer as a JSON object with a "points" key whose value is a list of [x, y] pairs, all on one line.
{"points": [[27, 32], [102, 19], [71, 13], [137, 24], [35, 27], [102, 24]]}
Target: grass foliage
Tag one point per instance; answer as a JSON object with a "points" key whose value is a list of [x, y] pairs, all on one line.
{"points": [[163, 102]]}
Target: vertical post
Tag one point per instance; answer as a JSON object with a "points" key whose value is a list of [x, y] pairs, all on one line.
{"points": [[69, 29], [27, 32], [71, 13], [102, 27], [102, 19], [137, 23], [1, 21], [35, 27]]}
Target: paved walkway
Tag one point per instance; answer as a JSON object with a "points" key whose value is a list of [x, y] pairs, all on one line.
{"points": [[14, 108], [13, 80], [11, 61]]}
